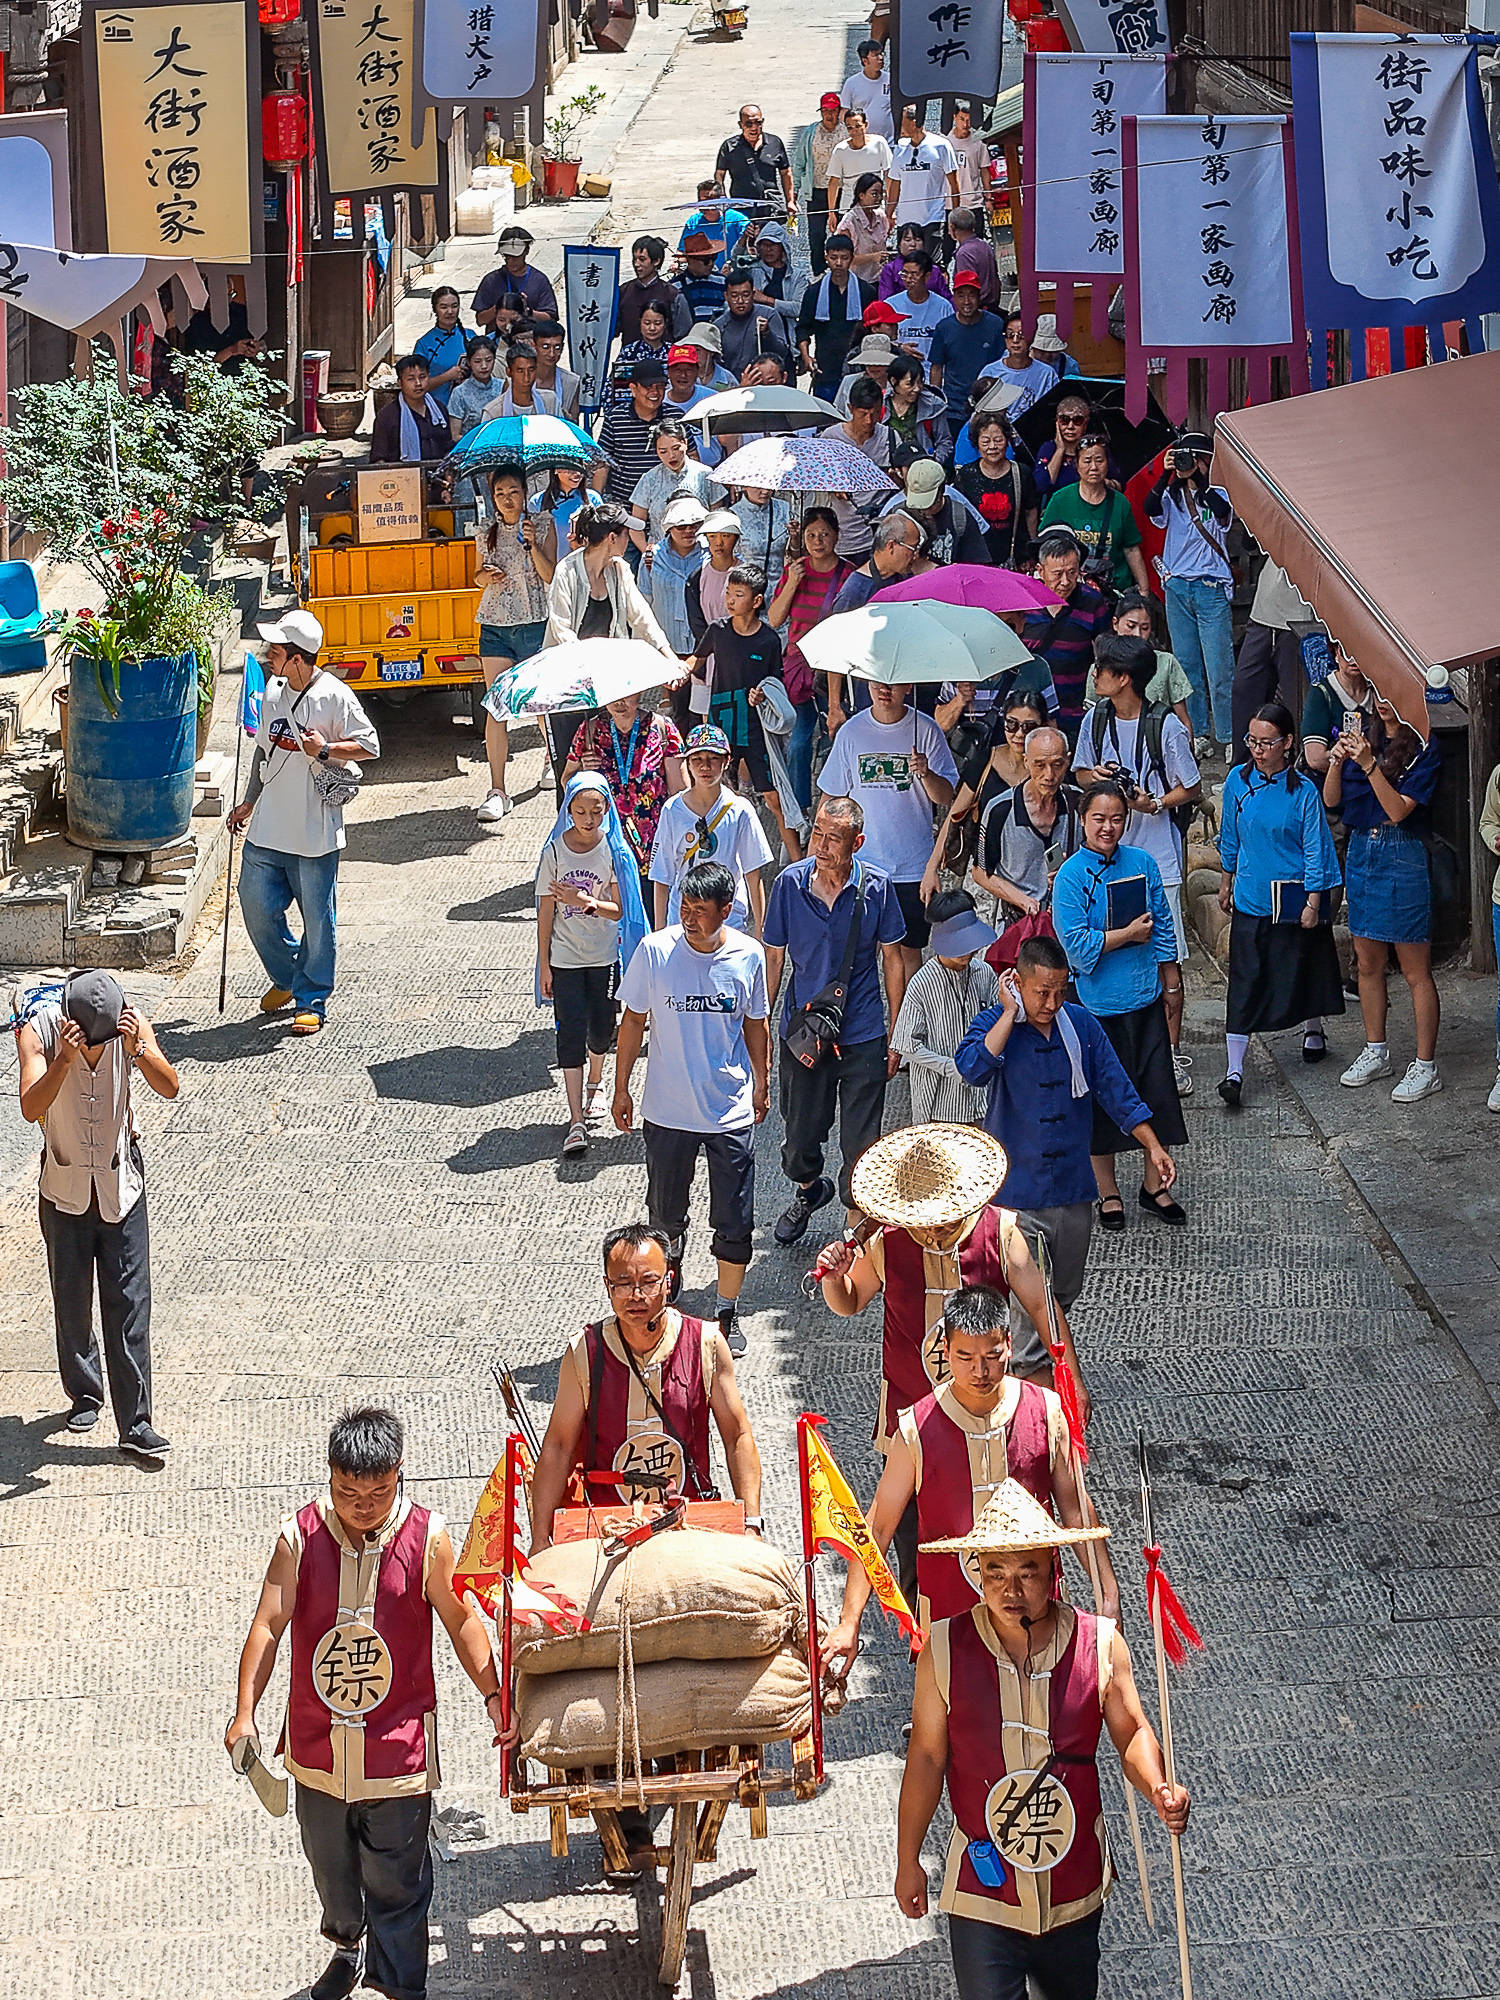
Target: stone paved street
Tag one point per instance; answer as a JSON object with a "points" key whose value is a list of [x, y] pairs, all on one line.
{"points": [[378, 1213]]}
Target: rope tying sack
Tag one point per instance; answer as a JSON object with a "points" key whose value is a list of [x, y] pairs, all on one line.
{"points": [[625, 1690]]}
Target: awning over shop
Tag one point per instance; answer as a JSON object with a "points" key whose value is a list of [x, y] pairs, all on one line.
{"points": [[1381, 501]]}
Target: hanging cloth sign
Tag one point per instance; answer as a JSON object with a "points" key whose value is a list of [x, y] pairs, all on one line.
{"points": [[35, 202], [1071, 194], [1396, 192], [375, 138], [172, 97], [90, 294], [591, 286], [1116, 27], [1210, 266], [944, 49], [482, 53]]}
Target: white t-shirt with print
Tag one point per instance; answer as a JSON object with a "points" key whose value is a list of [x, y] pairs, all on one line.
{"points": [[922, 171], [872, 95], [919, 322], [698, 1075], [735, 837], [289, 817], [1155, 833], [871, 761], [577, 938], [848, 163]]}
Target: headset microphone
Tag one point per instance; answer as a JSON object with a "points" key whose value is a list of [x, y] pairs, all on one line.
{"points": [[1026, 1623], [653, 1324]]}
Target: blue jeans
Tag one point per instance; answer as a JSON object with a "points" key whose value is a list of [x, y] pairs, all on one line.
{"points": [[1202, 634], [269, 882], [1495, 923], [799, 752]]}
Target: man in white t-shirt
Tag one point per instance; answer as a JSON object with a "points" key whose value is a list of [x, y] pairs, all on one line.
{"points": [[1119, 739], [923, 181], [307, 717], [708, 1077], [710, 822], [862, 152], [869, 90], [922, 310], [897, 764]]}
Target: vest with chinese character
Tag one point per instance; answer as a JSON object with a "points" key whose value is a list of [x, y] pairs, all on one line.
{"points": [[944, 1454], [623, 1430], [911, 1364], [1031, 1857], [361, 1709]]}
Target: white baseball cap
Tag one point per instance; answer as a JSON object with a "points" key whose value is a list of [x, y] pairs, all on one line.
{"points": [[298, 629]]}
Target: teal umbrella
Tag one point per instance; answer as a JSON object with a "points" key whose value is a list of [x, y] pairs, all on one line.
{"points": [[537, 443]]}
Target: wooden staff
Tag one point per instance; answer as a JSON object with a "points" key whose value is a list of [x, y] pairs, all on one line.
{"points": [[1087, 1509], [234, 799], [1169, 1760]]}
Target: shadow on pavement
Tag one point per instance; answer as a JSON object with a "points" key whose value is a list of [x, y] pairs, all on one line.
{"points": [[231, 1039], [468, 1078], [516, 900], [502, 1148], [24, 1452], [414, 836]]}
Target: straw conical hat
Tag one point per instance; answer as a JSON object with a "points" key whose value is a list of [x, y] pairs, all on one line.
{"points": [[1011, 1521], [928, 1175]]}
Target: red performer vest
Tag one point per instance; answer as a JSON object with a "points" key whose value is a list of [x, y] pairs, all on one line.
{"points": [[649, 1418], [361, 1709], [1029, 1863], [911, 1360], [952, 1464]]}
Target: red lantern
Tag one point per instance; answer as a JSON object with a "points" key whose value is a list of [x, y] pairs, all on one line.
{"points": [[276, 13], [283, 128]]}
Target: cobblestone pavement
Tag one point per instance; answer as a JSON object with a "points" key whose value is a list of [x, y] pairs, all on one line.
{"points": [[377, 1213]]}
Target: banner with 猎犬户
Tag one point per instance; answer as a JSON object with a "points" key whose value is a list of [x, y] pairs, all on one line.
{"points": [[1072, 206], [1210, 256], [482, 51], [1398, 205]]}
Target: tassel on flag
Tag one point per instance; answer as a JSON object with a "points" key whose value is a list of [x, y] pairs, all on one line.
{"points": [[490, 1558], [836, 1524], [1175, 1623]]}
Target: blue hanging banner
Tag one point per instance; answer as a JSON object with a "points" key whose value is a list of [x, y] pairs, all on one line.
{"points": [[591, 287], [1397, 198]]}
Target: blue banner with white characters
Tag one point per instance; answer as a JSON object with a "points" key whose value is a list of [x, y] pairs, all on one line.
{"points": [[591, 287]]}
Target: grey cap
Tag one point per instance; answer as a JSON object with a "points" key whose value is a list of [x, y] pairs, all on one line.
{"points": [[94, 1000]]}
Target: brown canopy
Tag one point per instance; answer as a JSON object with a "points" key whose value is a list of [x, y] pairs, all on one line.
{"points": [[1381, 501]]}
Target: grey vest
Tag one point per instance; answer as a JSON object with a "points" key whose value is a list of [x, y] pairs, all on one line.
{"points": [[88, 1131]]}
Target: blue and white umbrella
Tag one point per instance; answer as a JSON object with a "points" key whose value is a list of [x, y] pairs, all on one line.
{"points": [[537, 443]]}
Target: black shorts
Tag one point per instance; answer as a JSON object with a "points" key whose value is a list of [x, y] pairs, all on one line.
{"points": [[747, 744], [914, 915]]}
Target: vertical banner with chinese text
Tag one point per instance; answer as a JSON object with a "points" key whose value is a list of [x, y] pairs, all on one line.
{"points": [[482, 51], [591, 286], [1210, 256], [374, 136], [1116, 27], [1075, 233], [174, 129], [1396, 192], [946, 48]]}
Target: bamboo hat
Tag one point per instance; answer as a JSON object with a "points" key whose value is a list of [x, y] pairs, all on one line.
{"points": [[928, 1175], [1011, 1521]]}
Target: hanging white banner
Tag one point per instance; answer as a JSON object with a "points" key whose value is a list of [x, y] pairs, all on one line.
{"points": [[480, 51], [1214, 266], [1074, 108], [1116, 27]]}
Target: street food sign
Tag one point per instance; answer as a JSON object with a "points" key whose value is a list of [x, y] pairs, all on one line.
{"points": [[376, 137], [172, 91], [388, 503]]}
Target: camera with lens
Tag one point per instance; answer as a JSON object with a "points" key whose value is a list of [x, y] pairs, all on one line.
{"points": [[1184, 459]]}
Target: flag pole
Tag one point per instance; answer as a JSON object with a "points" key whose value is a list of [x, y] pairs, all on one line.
{"points": [[513, 1474], [805, 1424], [234, 799], [1169, 1760], [1087, 1508]]}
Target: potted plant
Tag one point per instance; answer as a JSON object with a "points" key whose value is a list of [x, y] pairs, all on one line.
{"points": [[559, 172], [121, 483]]}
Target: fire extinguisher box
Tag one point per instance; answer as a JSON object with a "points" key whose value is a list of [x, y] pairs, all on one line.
{"points": [[315, 362]]}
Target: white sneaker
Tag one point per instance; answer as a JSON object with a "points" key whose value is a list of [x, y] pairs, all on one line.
{"points": [[1182, 1069], [1492, 1102], [494, 809], [1369, 1066], [1203, 749], [1420, 1080]]}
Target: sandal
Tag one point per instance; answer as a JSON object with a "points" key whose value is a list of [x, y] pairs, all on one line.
{"points": [[1153, 1204], [592, 1109], [1110, 1209], [576, 1142]]}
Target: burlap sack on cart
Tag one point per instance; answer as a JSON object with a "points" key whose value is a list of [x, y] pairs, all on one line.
{"points": [[570, 1719], [694, 1594]]}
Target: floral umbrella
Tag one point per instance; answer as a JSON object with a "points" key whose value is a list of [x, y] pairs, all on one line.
{"points": [[539, 443], [803, 465], [582, 673], [997, 590]]}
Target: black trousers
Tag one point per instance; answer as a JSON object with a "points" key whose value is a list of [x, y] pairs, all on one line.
{"points": [[373, 1873], [671, 1158], [992, 1963], [851, 1083], [79, 1247], [817, 229], [583, 1010], [1264, 670]]}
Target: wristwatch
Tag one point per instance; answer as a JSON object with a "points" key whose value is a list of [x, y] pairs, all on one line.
{"points": [[323, 754]]}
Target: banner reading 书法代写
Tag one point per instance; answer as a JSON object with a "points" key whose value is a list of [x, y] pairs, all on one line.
{"points": [[1210, 268], [373, 135], [591, 285], [1074, 214], [1397, 200]]}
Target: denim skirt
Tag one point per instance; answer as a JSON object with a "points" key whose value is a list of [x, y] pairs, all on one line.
{"points": [[1387, 885]]}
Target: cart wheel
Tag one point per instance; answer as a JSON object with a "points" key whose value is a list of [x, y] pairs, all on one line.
{"points": [[678, 1893]]}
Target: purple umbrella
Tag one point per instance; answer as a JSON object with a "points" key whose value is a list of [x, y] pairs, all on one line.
{"points": [[974, 584]]}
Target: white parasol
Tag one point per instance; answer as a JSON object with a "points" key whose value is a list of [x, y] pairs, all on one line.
{"points": [[901, 644]]}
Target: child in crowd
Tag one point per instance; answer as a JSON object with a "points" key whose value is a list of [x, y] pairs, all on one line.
{"points": [[744, 651], [709, 822]]}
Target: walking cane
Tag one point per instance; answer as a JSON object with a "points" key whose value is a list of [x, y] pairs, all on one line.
{"points": [[1087, 1509], [234, 799], [1169, 1760]]}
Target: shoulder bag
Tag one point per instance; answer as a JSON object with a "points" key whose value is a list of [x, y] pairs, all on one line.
{"points": [[812, 1033], [336, 785]]}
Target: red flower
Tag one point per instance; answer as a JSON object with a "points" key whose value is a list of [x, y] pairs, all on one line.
{"points": [[109, 530], [85, 616]]}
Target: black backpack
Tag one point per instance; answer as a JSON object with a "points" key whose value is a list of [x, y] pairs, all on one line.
{"points": [[1153, 728]]}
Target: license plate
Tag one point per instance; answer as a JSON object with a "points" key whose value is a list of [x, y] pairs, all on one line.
{"points": [[400, 670]]}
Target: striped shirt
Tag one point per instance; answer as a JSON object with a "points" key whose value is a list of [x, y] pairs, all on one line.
{"points": [[935, 1014], [626, 438]]}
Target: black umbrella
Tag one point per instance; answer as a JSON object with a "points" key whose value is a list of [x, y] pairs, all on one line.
{"points": [[1131, 445]]}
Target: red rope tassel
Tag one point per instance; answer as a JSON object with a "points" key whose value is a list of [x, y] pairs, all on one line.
{"points": [[1175, 1623], [1067, 1395]]}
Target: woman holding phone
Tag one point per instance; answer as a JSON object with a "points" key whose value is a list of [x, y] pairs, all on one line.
{"points": [[1279, 872], [1382, 777], [1115, 923]]}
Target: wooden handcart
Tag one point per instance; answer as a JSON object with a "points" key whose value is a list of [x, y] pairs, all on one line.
{"points": [[703, 1785]]}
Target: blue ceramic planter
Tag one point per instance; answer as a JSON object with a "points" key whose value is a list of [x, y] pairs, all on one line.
{"points": [[130, 776]]}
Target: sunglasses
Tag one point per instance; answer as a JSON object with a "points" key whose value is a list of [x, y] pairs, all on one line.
{"points": [[1093, 437], [1015, 726]]}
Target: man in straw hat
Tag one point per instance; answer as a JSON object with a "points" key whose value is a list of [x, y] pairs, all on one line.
{"points": [[931, 1189], [953, 1451], [1028, 1864]]}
